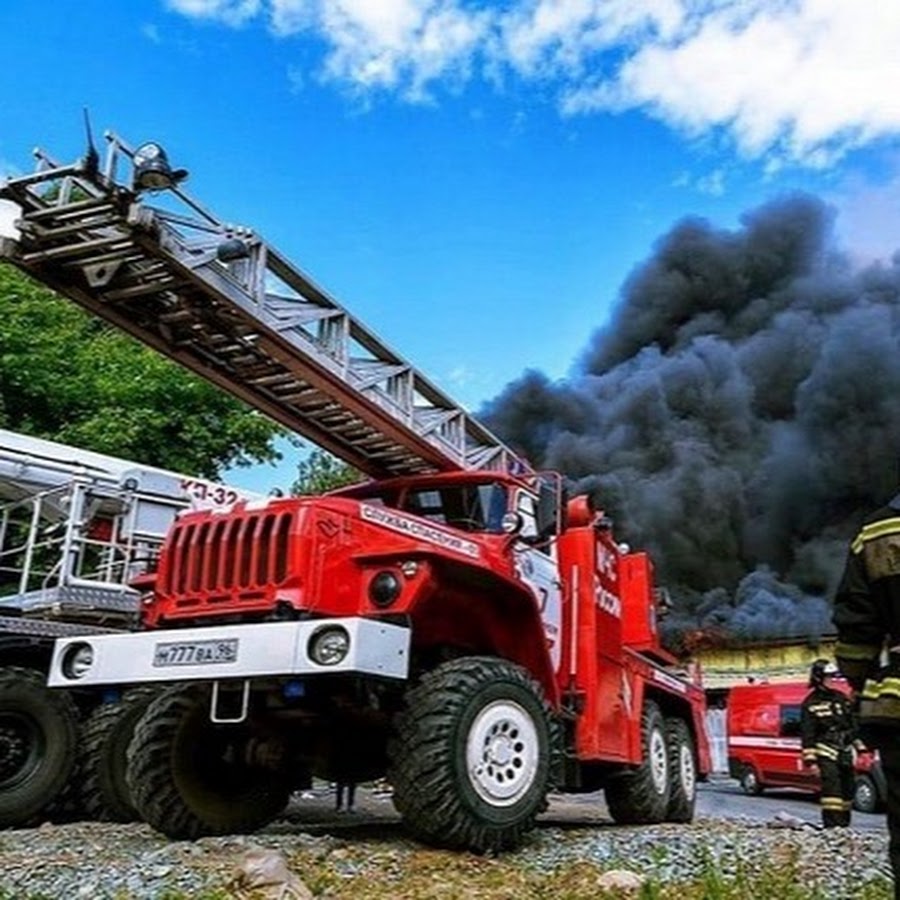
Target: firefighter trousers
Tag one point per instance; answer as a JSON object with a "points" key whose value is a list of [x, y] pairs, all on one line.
{"points": [[837, 788], [889, 751]]}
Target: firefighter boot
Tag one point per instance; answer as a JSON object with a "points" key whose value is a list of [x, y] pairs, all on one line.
{"points": [[831, 818]]}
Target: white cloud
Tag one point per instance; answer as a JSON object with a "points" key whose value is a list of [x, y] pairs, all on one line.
{"points": [[403, 45], [231, 12], [712, 183], [787, 80], [803, 81], [868, 220], [553, 38], [151, 32]]}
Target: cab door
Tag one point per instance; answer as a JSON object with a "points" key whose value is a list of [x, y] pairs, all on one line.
{"points": [[537, 566]]}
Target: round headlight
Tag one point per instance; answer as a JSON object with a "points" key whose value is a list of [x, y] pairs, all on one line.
{"points": [[329, 646], [77, 659], [384, 589]]}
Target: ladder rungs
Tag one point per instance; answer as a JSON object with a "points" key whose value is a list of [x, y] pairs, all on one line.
{"points": [[82, 249], [256, 325]]}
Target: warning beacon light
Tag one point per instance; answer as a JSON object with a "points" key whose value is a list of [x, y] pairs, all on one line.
{"points": [[152, 171]]}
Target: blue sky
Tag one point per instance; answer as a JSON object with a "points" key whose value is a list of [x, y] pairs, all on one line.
{"points": [[474, 180]]}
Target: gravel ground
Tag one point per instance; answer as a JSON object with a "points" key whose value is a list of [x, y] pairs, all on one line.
{"points": [[365, 854]]}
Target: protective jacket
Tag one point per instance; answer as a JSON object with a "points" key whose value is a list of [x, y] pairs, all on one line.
{"points": [[867, 619], [827, 726]]}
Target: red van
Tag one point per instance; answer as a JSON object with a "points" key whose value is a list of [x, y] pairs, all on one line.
{"points": [[763, 723]]}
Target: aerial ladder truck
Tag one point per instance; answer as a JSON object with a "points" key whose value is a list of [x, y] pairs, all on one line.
{"points": [[454, 624], [77, 530]]}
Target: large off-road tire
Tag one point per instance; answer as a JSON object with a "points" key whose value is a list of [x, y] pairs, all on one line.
{"points": [[471, 761], [188, 777], [38, 741], [641, 796], [682, 771], [105, 736]]}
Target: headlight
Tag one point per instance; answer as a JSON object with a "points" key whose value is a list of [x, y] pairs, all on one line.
{"points": [[77, 659], [329, 645], [384, 589]]}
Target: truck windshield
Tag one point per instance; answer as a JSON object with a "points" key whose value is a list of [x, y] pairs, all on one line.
{"points": [[469, 507]]}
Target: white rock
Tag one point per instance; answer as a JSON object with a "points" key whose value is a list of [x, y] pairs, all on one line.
{"points": [[620, 878], [267, 872]]}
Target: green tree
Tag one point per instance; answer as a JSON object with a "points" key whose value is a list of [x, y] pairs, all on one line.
{"points": [[321, 472], [70, 377]]}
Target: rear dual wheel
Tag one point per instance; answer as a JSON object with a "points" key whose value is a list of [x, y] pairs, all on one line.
{"points": [[682, 771], [664, 786], [641, 796], [105, 735]]}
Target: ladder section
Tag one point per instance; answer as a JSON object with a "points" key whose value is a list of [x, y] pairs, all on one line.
{"points": [[219, 300]]}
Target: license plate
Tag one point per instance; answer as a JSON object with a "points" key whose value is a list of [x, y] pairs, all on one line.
{"points": [[195, 653]]}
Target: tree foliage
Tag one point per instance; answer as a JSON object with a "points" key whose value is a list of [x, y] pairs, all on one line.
{"points": [[321, 472], [69, 377]]}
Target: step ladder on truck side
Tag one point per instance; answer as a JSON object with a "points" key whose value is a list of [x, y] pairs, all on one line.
{"points": [[454, 624]]}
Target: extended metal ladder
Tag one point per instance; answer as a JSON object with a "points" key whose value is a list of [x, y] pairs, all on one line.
{"points": [[223, 303]]}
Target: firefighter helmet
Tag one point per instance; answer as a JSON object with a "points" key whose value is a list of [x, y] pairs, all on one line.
{"points": [[821, 669]]}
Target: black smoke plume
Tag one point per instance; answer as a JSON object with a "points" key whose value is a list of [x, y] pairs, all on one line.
{"points": [[737, 416]]}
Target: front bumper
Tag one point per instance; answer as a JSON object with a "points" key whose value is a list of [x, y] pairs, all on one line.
{"points": [[229, 651]]}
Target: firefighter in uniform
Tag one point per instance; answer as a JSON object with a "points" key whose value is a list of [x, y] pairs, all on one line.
{"points": [[867, 619], [828, 737]]}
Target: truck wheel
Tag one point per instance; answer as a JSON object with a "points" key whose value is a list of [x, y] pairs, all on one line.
{"points": [[750, 782], [641, 796], [683, 771], [189, 777], [105, 735], [38, 741], [471, 761], [865, 795]]}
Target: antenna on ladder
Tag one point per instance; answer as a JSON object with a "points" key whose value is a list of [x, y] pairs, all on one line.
{"points": [[91, 157]]}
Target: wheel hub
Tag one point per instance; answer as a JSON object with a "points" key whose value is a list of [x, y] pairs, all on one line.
{"points": [[688, 774], [499, 750], [502, 753], [659, 762]]}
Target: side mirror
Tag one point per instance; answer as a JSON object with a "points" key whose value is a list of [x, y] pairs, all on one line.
{"points": [[550, 505]]}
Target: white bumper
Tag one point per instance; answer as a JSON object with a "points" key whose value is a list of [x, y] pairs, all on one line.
{"points": [[230, 651]]}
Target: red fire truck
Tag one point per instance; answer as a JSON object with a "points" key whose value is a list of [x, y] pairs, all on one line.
{"points": [[454, 624], [763, 722]]}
